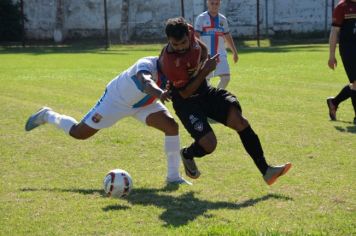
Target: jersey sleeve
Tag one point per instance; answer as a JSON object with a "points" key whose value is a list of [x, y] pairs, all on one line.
{"points": [[338, 15], [198, 26], [225, 24], [144, 65]]}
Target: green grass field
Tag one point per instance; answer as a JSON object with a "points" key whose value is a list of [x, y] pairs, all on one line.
{"points": [[51, 184]]}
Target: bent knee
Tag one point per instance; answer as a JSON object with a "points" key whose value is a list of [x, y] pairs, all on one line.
{"points": [[209, 145], [210, 148], [80, 136], [81, 132]]}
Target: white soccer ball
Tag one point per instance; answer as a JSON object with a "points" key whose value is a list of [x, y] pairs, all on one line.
{"points": [[117, 183]]}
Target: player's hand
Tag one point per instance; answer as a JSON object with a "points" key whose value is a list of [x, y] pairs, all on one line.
{"points": [[165, 96], [332, 63], [210, 63], [236, 58]]}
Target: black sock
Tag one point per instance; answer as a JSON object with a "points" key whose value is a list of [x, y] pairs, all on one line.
{"points": [[194, 150], [353, 99], [344, 94], [253, 147]]}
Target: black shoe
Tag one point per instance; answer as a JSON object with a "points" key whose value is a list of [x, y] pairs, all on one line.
{"points": [[355, 120], [190, 167], [332, 108]]}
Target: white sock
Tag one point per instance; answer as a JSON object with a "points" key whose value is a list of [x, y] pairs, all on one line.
{"points": [[224, 80], [172, 148], [62, 122]]}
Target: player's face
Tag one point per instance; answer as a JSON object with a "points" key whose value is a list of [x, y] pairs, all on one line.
{"points": [[179, 46], [213, 6]]}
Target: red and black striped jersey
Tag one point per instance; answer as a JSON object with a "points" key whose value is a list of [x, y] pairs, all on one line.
{"points": [[344, 16]]}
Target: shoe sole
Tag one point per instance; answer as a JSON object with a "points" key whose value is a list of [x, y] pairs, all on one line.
{"points": [[330, 105], [189, 174], [193, 176], [183, 182], [275, 177]]}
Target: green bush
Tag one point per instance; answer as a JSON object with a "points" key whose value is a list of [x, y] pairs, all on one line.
{"points": [[10, 21]]}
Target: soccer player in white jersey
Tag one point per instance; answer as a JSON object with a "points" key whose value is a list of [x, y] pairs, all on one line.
{"points": [[136, 92], [212, 28]]}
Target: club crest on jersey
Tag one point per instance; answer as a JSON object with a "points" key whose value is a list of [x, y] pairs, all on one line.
{"points": [[198, 126], [193, 119], [96, 118]]}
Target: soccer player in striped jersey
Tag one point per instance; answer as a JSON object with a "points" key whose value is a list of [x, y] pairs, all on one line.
{"points": [[212, 28], [136, 92]]}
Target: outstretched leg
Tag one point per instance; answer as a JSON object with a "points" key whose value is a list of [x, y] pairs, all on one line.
{"points": [[253, 146], [66, 123]]}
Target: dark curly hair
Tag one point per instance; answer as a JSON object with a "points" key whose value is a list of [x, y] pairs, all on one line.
{"points": [[176, 28]]}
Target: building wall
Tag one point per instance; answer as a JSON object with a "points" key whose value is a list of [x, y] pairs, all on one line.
{"points": [[141, 20], [41, 16]]}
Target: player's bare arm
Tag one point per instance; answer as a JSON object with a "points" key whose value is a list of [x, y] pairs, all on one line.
{"points": [[208, 66], [150, 87], [333, 40], [231, 45]]}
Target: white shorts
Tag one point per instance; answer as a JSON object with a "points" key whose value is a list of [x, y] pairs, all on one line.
{"points": [[222, 68], [107, 112]]}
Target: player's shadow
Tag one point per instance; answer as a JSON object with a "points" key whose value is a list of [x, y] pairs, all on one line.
{"points": [[101, 192], [347, 129], [70, 190], [184, 208], [178, 211]]}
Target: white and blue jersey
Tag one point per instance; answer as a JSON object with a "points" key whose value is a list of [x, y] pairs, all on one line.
{"points": [[212, 31], [128, 89], [124, 97]]}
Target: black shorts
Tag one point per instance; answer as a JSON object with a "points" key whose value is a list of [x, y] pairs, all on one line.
{"points": [[213, 103], [348, 56]]}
